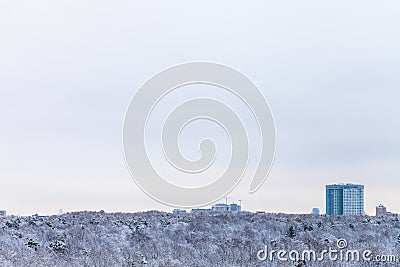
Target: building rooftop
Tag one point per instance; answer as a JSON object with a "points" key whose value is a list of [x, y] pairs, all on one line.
{"points": [[344, 185]]}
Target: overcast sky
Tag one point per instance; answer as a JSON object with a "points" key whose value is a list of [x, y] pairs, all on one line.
{"points": [[68, 70]]}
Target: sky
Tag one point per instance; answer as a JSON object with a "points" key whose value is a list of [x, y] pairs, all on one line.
{"points": [[68, 70]]}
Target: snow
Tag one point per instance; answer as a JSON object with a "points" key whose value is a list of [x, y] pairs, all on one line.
{"points": [[199, 239]]}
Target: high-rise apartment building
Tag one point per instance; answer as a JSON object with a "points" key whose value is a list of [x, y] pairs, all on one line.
{"points": [[344, 199]]}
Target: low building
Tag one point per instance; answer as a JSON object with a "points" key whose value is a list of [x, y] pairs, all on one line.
{"points": [[197, 210], [235, 207], [226, 207], [315, 211], [381, 211], [220, 207], [178, 212]]}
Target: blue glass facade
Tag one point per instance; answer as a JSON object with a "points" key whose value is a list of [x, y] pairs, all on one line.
{"points": [[344, 199]]}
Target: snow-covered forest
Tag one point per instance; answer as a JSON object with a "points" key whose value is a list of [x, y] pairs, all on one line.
{"points": [[202, 239]]}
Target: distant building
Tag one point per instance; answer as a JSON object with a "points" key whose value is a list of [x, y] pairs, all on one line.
{"points": [[3, 213], [345, 199], [226, 207], [178, 212], [235, 207], [220, 207], [197, 210], [315, 211], [380, 210], [392, 215]]}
